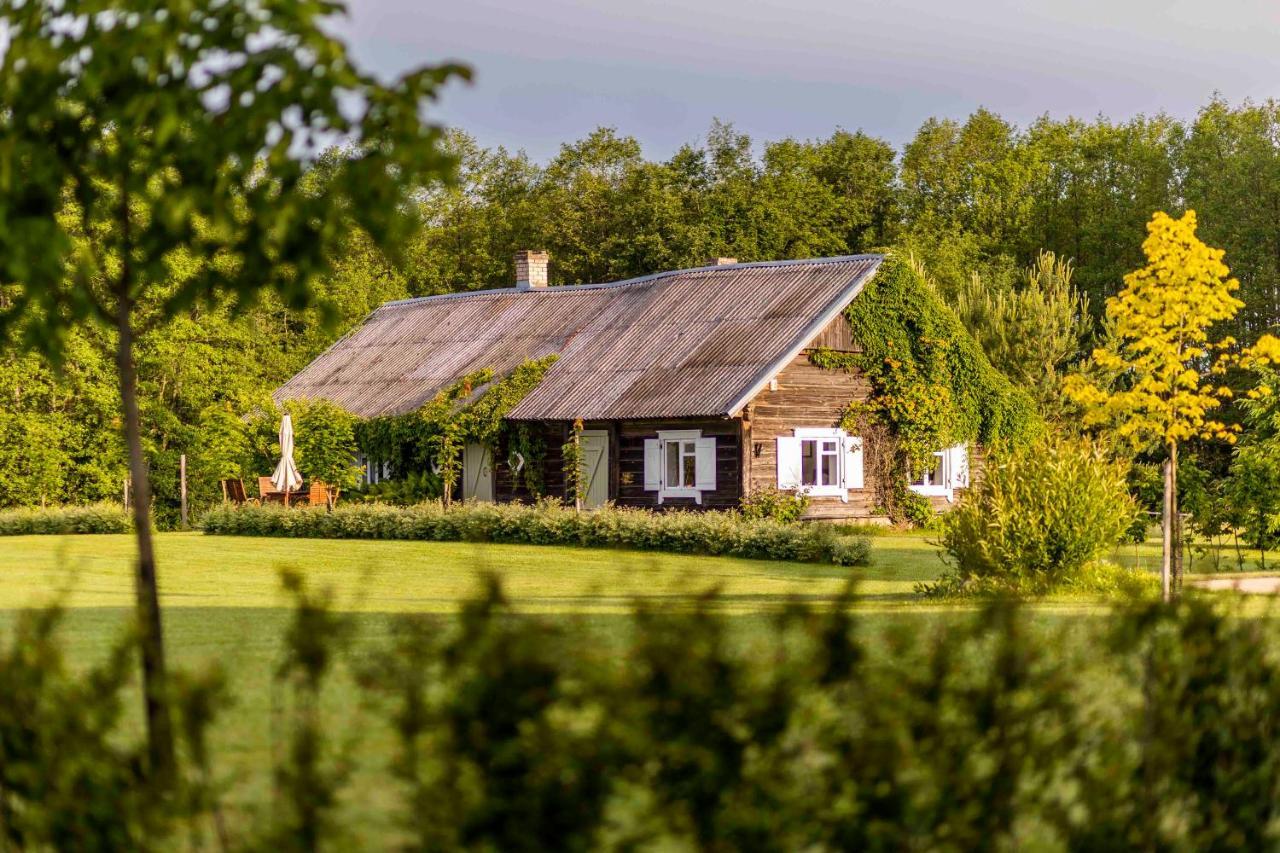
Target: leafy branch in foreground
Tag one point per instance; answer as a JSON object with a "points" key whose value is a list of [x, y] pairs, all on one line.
{"points": [[152, 161]]}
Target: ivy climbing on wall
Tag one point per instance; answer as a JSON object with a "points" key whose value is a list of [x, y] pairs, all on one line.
{"points": [[575, 469], [933, 385], [471, 410]]}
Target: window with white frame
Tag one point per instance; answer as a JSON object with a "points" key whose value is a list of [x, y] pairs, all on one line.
{"points": [[820, 461], [943, 473], [680, 464]]}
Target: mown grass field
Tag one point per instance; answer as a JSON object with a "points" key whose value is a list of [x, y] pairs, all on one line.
{"points": [[224, 606]]}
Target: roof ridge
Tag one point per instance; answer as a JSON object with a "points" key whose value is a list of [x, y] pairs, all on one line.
{"points": [[576, 288]]}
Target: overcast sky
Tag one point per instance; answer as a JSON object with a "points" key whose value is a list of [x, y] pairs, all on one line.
{"points": [[549, 71]]}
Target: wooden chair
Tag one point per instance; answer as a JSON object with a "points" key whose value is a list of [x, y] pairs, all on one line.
{"points": [[233, 491], [322, 494], [266, 487]]}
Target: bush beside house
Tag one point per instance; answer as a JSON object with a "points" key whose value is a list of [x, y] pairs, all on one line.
{"points": [[1038, 519]]}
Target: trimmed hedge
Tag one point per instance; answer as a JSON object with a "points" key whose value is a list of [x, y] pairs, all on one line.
{"points": [[547, 523], [94, 518]]}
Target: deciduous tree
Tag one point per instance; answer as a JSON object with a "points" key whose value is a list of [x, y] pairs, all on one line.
{"points": [[1158, 352], [155, 156]]}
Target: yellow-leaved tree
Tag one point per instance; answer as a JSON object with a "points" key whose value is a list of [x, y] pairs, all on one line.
{"points": [[1158, 360]]}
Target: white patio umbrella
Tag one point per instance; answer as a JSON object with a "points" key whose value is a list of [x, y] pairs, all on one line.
{"points": [[286, 478]]}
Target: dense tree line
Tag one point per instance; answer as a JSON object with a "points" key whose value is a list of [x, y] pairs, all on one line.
{"points": [[975, 201]]}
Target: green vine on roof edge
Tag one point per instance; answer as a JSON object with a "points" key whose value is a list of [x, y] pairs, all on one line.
{"points": [[933, 387], [470, 410]]}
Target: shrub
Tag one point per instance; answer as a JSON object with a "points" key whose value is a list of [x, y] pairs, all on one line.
{"points": [[1099, 578], [1038, 515], [325, 442], [775, 505], [549, 523], [94, 518], [915, 509], [1153, 730]]}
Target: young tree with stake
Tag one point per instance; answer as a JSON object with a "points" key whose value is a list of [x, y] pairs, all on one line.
{"points": [[157, 156], [1159, 354]]}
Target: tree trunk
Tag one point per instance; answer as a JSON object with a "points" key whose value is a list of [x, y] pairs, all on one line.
{"points": [[1177, 521], [1166, 556], [150, 634]]}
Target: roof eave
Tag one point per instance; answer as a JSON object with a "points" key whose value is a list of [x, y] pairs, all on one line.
{"points": [[806, 338]]}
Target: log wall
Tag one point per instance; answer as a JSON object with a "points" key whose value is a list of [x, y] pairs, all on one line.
{"points": [[806, 396]]}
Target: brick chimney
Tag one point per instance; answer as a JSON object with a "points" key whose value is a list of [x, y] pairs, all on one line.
{"points": [[719, 262], [531, 269]]}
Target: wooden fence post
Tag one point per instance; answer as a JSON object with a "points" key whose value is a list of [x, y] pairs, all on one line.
{"points": [[182, 477]]}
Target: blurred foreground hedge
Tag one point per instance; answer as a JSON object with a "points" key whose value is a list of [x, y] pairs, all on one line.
{"points": [[496, 731], [548, 523]]}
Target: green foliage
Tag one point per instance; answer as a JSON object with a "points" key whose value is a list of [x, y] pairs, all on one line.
{"points": [[71, 775], [548, 523], [575, 466], [215, 197], [223, 451], [1038, 515], [1028, 332], [526, 452], [63, 520], [413, 488], [59, 439], [1206, 692], [1154, 728], [913, 507], [324, 442], [472, 409], [308, 777], [34, 461], [1253, 486], [933, 383], [775, 505]]}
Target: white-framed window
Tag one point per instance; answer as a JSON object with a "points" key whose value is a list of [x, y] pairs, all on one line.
{"points": [[681, 459], [946, 471], [820, 461], [680, 464]]}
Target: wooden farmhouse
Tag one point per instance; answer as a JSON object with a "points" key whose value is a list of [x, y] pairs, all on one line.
{"points": [[694, 387]]}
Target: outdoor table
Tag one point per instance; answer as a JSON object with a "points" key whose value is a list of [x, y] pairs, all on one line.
{"points": [[280, 497]]}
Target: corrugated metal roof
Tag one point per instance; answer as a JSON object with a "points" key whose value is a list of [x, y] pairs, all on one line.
{"points": [[676, 344]]}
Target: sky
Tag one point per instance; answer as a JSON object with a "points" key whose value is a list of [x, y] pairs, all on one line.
{"points": [[550, 71]]}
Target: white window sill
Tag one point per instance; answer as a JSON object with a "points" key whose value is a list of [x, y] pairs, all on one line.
{"points": [[931, 491], [696, 494], [823, 492]]}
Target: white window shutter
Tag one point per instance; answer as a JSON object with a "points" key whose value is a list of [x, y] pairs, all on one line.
{"points": [[853, 478], [788, 462], [652, 464], [705, 464], [959, 467]]}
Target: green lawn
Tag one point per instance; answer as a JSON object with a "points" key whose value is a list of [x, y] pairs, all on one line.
{"points": [[205, 572], [224, 605]]}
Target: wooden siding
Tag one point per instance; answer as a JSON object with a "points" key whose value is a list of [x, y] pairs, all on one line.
{"points": [[838, 335], [630, 490], [626, 463], [807, 396], [509, 487]]}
